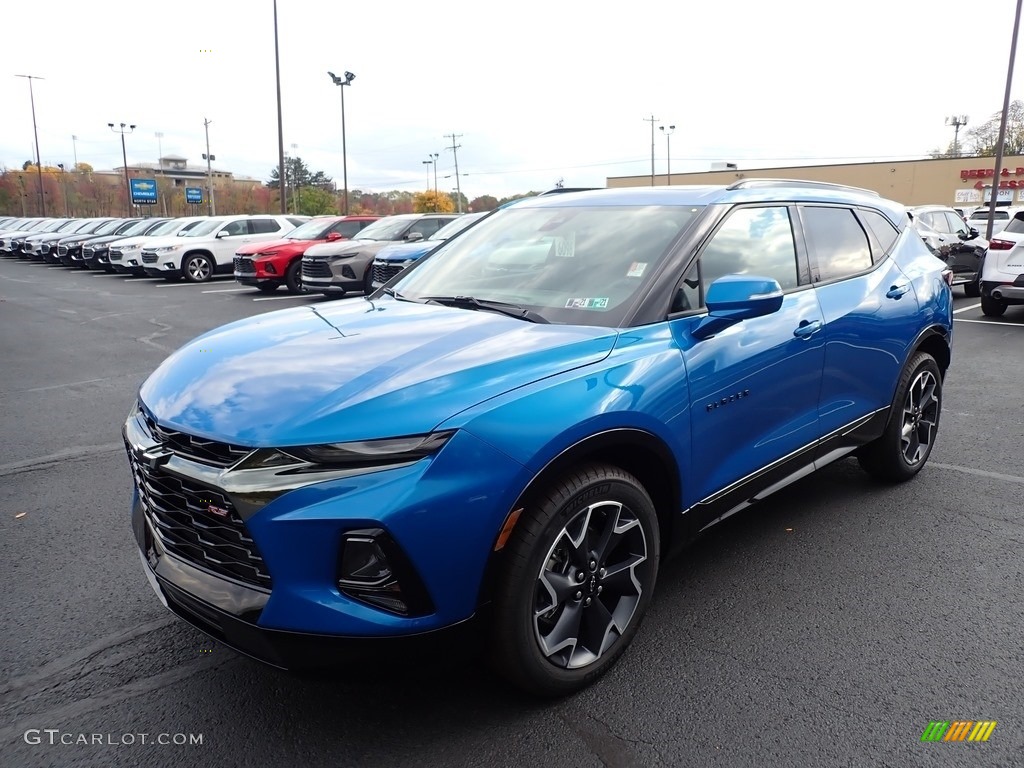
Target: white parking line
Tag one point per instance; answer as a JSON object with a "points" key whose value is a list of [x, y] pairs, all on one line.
{"points": [[281, 298], [966, 309], [987, 322], [229, 290], [182, 284], [143, 278]]}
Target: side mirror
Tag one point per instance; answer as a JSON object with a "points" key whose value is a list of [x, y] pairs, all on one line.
{"points": [[332, 236], [412, 237], [734, 298], [222, 233], [972, 233]]}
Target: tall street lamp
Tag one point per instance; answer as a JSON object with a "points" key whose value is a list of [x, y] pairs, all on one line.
{"points": [[209, 168], [280, 125], [124, 154], [39, 162], [341, 82], [668, 148], [296, 182], [64, 184]]}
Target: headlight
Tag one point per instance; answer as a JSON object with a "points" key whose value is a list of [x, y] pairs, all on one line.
{"points": [[126, 248], [269, 253], [367, 453], [167, 248]]}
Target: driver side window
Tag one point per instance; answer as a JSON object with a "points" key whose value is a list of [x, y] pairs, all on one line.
{"points": [[751, 241], [237, 228]]}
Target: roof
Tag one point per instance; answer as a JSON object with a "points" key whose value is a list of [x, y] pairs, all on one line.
{"points": [[783, 190]]}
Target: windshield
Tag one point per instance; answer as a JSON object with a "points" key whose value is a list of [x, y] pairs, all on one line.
{"points": [[983, 216], [53, 226], [167, 228], [311, 230], [581, 265], [138, 228], [202, 228], [453, 228], [109, 228], [385, 229], [90, 227]]}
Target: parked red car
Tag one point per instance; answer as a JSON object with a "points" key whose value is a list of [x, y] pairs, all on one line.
{"points": [[279, 262]]}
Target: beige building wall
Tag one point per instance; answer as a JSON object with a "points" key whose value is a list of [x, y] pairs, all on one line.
{"points": [[962, 181]]}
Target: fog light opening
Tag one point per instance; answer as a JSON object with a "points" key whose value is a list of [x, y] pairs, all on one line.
{"points": [[374, 570]]}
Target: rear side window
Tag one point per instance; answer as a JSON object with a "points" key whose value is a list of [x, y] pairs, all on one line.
{"points": [[836, 242], [881, 229], [348, 228], [264, 226]]}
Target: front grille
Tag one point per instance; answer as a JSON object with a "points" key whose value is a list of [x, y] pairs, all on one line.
{"points": [[115, 254], [245, 265], [315, 269], [179, 512], [148, 258], [199, 449], [62, 250], [384, 272]]}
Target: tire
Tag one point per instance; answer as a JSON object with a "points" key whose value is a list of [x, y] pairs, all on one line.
{"points": [[904, 447], [972, 290], [992, 307], [293, 276], [172, 278], [542, 560], [197, 268], [267, 287], [368, 280]]}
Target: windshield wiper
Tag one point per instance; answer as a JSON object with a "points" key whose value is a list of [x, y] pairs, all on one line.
{"points": [[401, 297], [471, 302]]}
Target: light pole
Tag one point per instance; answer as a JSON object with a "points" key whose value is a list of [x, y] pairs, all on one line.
{"points": [[1002, 125], [64, 185], [124, 155], [74, 151], [652, 120], [341, 83], [209, 169], [280, 124], [668, 149], [957, 121], [297, 188], [39, 162]]}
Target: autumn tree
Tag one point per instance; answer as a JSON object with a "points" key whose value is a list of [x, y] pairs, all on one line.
{"points": [[299, 175], [483, 203], [432, 202]]}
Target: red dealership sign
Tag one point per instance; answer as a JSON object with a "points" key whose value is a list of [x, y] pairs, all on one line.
{"points": [[988, 173]]}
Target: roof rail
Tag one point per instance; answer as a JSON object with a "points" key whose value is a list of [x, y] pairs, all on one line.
{"points": [[747, 183], [560, 190]]}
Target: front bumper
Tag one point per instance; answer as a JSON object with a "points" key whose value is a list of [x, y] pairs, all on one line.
{"points": [[248, 278], [444, 512]]}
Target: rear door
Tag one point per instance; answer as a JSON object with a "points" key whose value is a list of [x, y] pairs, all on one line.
{"points": [[229, 237], [870, 311]]}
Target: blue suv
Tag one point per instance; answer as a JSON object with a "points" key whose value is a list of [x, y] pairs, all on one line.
{"points": [[521, 428]]}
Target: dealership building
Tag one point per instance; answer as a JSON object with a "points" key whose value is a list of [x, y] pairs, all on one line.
{"points": [[961, 181]]}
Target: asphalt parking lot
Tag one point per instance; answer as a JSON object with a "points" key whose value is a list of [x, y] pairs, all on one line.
{"points": [[825, 626]]}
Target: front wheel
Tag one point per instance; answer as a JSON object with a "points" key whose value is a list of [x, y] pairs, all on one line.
{"points": [[197, 268], [575, 581], [293, 277], [909, 437], [992, 307]]}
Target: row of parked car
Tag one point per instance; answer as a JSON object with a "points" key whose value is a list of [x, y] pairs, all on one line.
{"points": [[333, 255]]}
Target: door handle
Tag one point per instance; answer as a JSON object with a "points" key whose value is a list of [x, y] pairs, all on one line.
{"points": [[896, 291], [808, 328]]}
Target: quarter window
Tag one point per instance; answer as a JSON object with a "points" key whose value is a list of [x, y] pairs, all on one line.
{"points": [[837, 243], [752, 241], [882, 230]]}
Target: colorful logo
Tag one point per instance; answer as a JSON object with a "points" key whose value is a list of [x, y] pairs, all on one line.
{"points": [[958, 730]]}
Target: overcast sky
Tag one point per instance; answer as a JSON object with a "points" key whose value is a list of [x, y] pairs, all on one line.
{"points": [[538, 91]]}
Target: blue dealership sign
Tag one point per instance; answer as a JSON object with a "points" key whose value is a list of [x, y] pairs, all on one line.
{"points": [[143, 191], [194, 195]]}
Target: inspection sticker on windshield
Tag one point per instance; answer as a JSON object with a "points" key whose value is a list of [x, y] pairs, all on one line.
{"points": [[601, 303], [636, 269]]}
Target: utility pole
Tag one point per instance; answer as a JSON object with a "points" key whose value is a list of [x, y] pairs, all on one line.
{"points": [[296, 182], [39, 162], [957, 121], [652, 120], [455, 154], [280, 128], [74, 150], [124, 155], [209, 169]]}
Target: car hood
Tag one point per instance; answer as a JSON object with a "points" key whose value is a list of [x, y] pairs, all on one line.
{"points": [[47, 237], [355, 371], [339, 247], [406, 251], [159, 242], [103, 239], [128, 242], [276, 245]]}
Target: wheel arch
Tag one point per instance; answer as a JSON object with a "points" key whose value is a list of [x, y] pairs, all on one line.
{"points": [[935, 341], [639, 452]]}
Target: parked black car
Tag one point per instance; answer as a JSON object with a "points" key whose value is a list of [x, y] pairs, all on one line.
{"points": [[95, 252], [68, 247], [954, 241]]}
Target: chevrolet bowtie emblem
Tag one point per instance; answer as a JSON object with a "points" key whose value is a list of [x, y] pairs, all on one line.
{"points": [[155, 456]]}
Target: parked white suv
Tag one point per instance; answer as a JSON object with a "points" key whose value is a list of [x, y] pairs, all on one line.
{"points": [[1001, 217], [1002, 271], [126, 255], [209, 247]]}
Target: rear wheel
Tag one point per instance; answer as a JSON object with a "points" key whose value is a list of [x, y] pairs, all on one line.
{"points": [[907, 442], [992, 307], [575, 581], [293, 276]]}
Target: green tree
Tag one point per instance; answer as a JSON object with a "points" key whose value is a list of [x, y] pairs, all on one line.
{"points": [[299, 175], [315, 201]]}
